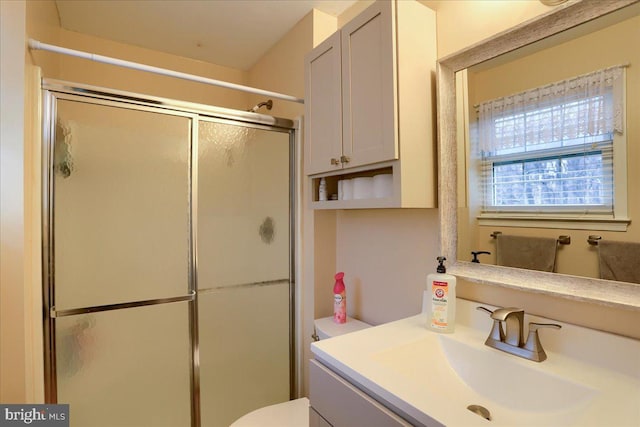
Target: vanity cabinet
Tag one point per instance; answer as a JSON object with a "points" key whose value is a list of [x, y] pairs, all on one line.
{"points": [[369, 103], [336, 402]]}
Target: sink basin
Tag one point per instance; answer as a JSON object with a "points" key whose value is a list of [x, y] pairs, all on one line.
{"points": [[484, 375], [590, 378], [510, 382]]}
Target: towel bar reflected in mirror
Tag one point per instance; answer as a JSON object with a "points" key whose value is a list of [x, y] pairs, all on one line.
{"points": [[593, 239], [563, 240]]}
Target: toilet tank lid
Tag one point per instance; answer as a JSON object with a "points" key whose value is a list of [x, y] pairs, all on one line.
{"points": [[327, 328]]}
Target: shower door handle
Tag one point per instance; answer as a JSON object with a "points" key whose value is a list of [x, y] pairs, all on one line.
{"points": [[55, 313]]}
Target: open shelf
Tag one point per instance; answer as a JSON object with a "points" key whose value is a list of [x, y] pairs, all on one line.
{"points": [[332, 180]]}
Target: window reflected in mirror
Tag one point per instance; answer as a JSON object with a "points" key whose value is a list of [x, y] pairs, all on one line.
{"points": [[547, 149]]}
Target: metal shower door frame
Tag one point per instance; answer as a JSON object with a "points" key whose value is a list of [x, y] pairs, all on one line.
{"points": [[53, 91]]}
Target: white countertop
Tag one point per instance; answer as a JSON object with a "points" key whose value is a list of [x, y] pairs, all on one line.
{"points": [[409, 368]]}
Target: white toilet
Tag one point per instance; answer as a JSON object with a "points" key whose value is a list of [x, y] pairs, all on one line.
{"points": [[295, 413]]}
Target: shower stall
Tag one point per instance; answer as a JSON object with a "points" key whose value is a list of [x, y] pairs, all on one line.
{"points": [[168, 259]]}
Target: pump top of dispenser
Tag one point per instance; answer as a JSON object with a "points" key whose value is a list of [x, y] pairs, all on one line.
{"points": [[339, 276], [441, 268]]}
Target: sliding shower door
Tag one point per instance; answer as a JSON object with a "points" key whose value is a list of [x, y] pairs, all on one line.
{"points": [[244, 268], [119, 291], [167, 260]]}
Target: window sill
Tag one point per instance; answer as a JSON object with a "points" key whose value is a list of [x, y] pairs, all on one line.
{"points": [[548, 221]]}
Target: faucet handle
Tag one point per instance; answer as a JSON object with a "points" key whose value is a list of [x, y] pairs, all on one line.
{"points": [[533, 326], [497, 333], [485, 309], [533, 340]]}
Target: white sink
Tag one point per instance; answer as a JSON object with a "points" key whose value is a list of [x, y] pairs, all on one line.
{"points": [[483, 376], [432, 378], [511, 383]]}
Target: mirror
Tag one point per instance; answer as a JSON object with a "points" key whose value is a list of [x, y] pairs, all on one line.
{"points": [[568, 248], [460, 231]]}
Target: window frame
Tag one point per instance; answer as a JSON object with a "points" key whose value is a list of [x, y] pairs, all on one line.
{"points": [[567, 218], [557, 155]]}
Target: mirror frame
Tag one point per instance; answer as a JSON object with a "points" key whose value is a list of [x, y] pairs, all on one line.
{"points": [[605, 292]]}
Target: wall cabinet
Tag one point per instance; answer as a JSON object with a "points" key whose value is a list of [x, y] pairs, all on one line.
{"points": [[368, 87], [336, 402], [323, 107], [369, 103]]}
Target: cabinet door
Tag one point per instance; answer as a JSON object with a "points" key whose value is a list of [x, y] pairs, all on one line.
{"points": [[341, 404], [316, 420], [369, 86], [323, 112]]}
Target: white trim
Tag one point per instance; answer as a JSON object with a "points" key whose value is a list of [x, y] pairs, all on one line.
{"points": [[33, 313], [596, 224], [37, 45], [620, 176], [298, 259]]}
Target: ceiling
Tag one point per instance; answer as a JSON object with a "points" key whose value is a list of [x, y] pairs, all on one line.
{"points": [[233, 33]]}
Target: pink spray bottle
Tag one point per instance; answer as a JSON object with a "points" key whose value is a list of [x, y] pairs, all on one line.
{"points": [[339, 300]]}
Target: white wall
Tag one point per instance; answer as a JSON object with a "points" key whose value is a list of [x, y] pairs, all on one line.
{"points": [[12, 203], [385, 265], [462, 23], [43, 25]]}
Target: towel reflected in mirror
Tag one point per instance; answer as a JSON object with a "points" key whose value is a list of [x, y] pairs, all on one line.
{"points": [[619, 261], [532, 253]]}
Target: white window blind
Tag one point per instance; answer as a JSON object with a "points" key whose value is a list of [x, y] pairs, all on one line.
{"points": [[550, 149]]}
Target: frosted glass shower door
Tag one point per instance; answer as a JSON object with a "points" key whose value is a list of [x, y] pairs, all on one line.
{"points": [[120, 253], [121, 205], [243, 242]]}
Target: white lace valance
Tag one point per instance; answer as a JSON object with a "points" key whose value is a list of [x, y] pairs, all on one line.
{"points": [[583, 106]]}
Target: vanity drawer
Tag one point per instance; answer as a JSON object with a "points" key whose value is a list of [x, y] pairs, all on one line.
{"points": [[316, 420], [341, 404]]}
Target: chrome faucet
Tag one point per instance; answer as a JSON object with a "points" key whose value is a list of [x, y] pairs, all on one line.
{"points": [[512, 341]]}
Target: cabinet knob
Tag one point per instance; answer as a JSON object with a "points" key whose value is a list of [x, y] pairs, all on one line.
{"points": [[344, 159], [335, 162]]}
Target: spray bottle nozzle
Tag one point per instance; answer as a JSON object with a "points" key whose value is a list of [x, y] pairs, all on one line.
{"points": [[441, 268]]}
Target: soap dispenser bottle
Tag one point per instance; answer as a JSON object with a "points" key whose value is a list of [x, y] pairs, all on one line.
{"points": [[441, 299]]}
